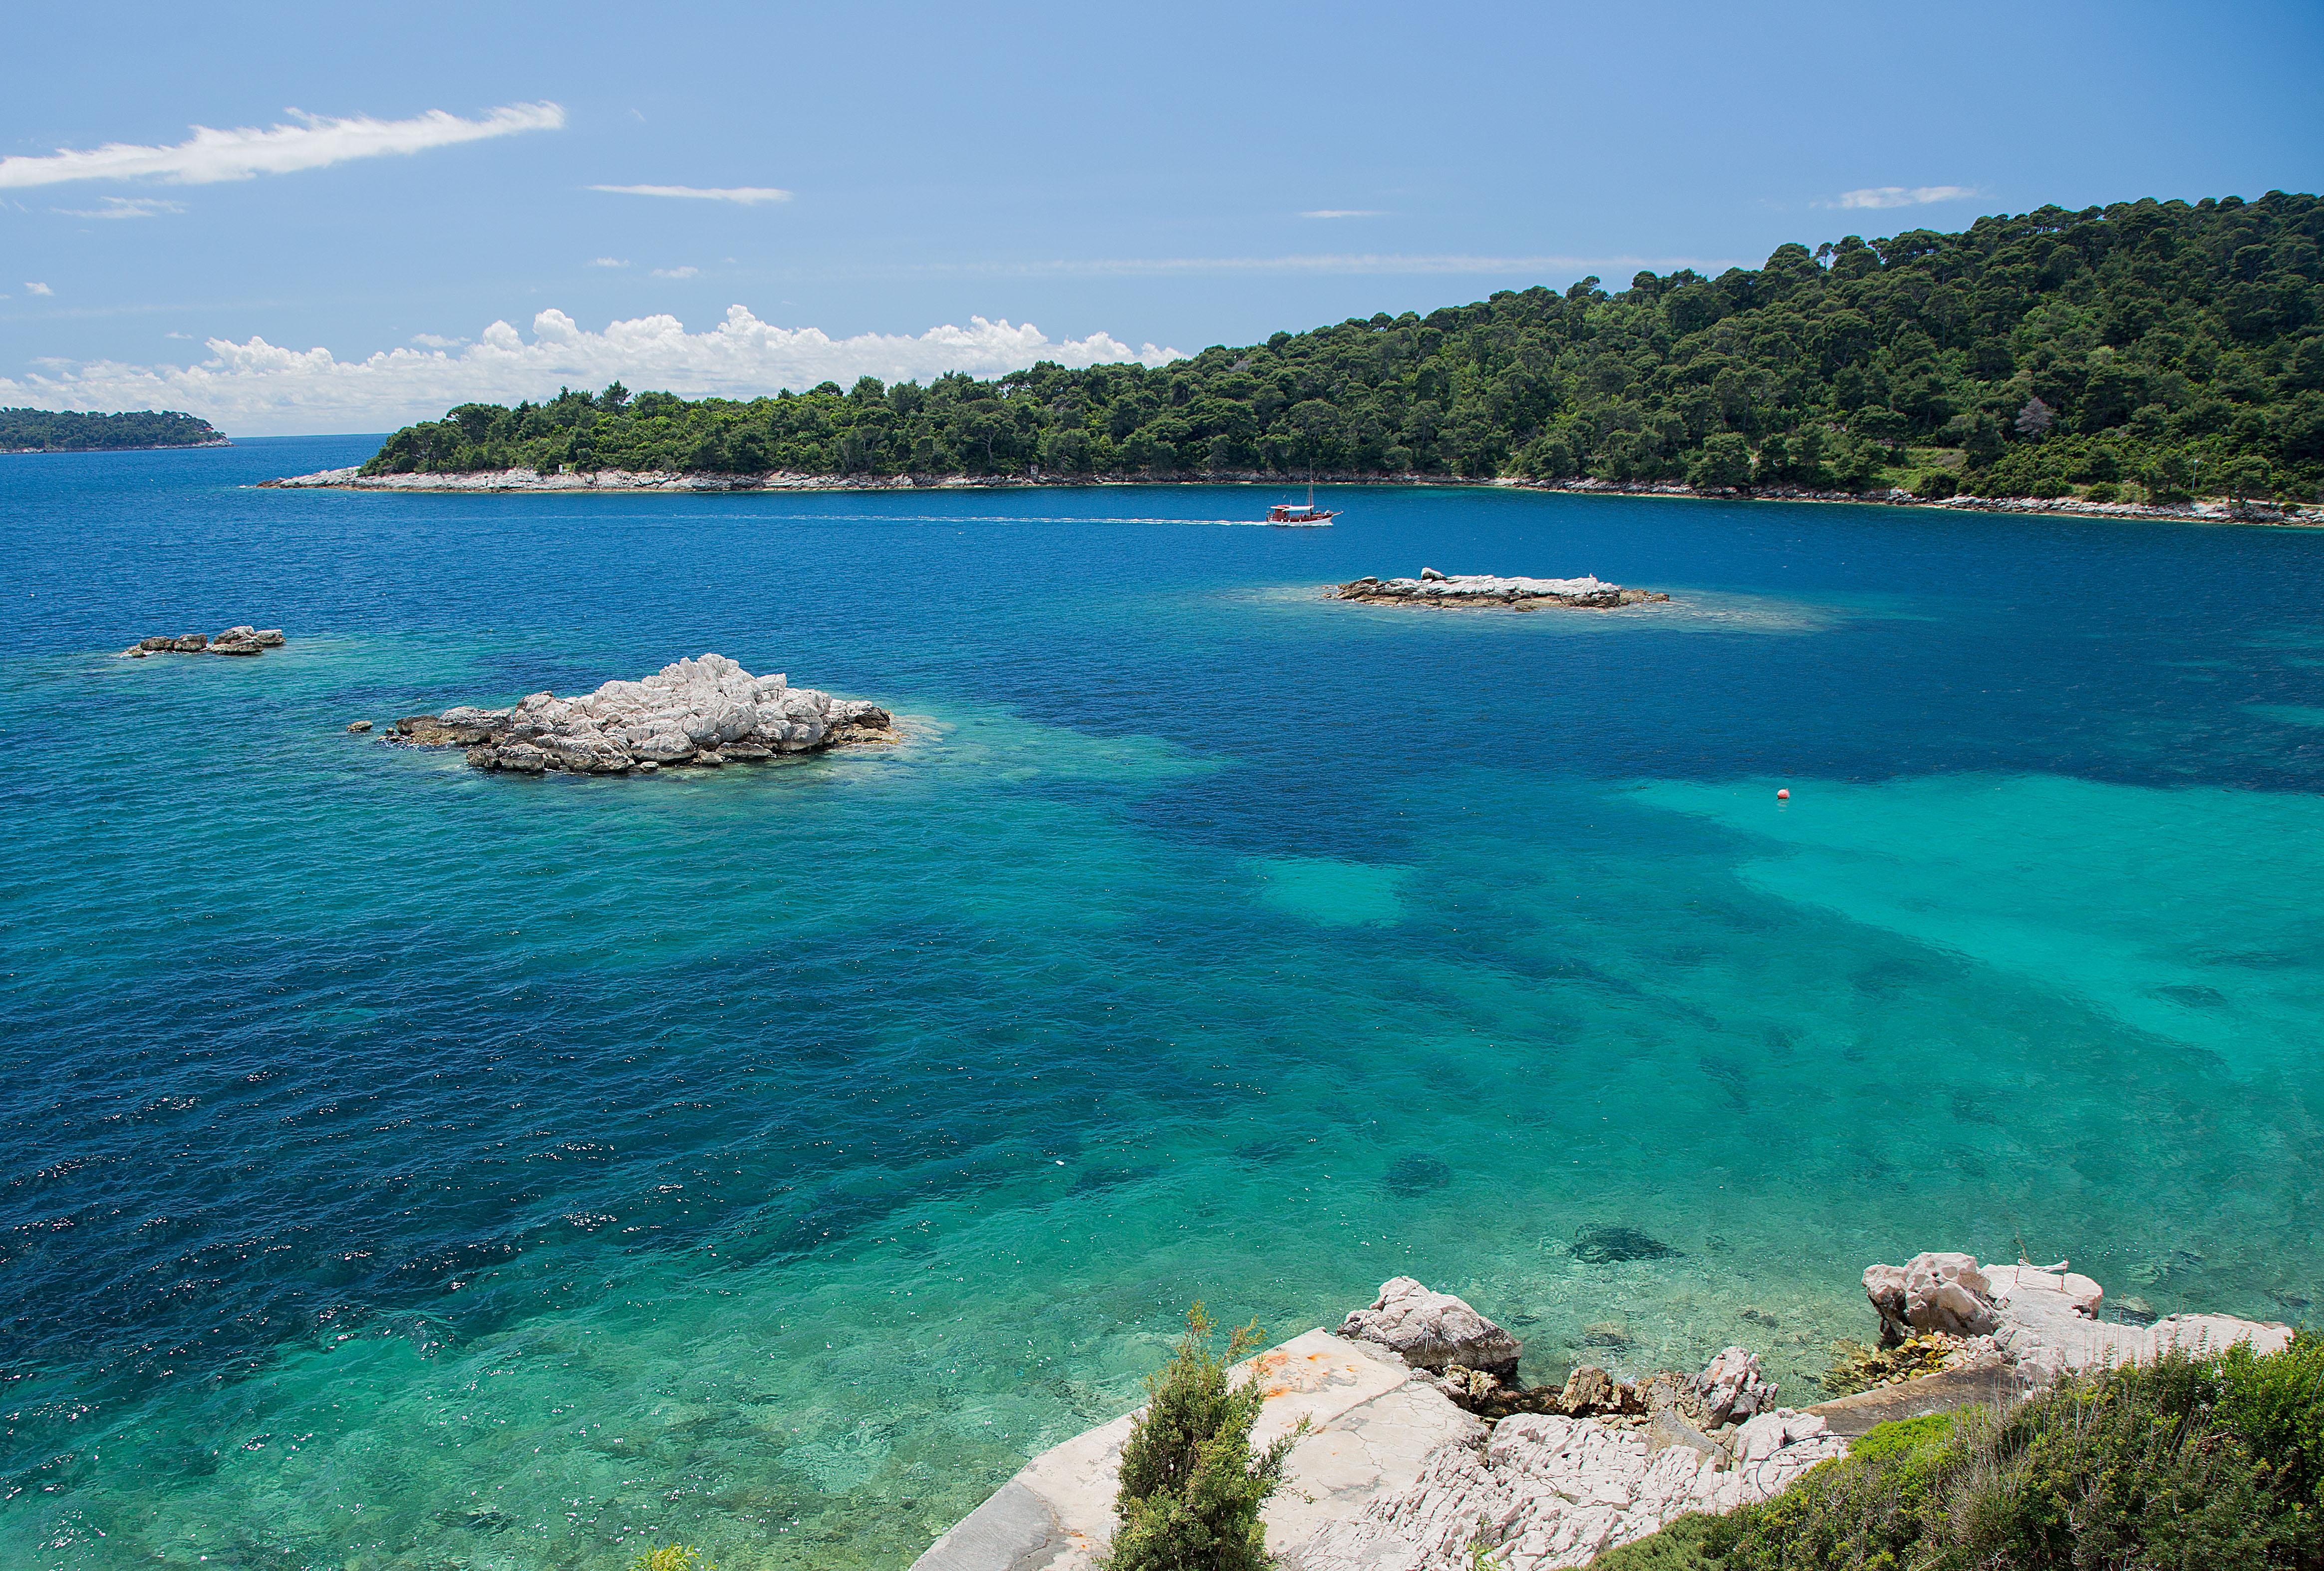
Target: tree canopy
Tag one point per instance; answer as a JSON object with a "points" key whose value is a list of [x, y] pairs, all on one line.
{"points": [[2162, 346], [47, 430]]}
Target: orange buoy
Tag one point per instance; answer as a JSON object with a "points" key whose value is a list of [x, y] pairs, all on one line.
{"points": [[1785, 795]]}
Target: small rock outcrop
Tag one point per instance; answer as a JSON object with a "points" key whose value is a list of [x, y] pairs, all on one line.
{"points": [[702, 713], [1933, 1291], [1483, 591], [240, 639], [1734, 1387], [2040, 1321], [1432, 1331]]}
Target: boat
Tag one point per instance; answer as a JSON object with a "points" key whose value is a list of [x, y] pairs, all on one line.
{"points": [[1293, 515]]}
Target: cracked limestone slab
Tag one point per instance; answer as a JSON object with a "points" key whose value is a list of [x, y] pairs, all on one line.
{"points": [[2049, 1322], [1374, 1424]]}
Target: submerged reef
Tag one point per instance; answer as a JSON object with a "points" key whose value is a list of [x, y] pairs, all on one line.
{"points": [[1482, 591], [702, 713]]}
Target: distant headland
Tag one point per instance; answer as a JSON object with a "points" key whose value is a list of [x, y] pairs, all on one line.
{"points": [[2132, 358], [49, 430]]}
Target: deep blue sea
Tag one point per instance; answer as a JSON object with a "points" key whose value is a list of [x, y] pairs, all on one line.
{"points": [[407, 1169]]}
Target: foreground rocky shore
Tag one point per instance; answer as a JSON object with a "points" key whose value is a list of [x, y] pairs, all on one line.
{"points": [[1423, 1448], [622, 480], [1482, 591], [699, 713]]}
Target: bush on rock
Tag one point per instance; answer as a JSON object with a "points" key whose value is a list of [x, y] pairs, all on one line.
{"points": [[1191, 1488]]}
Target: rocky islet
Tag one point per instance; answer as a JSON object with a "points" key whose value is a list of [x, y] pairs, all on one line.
{"points": [[1484, 591], [240, 639], [699, 712]]}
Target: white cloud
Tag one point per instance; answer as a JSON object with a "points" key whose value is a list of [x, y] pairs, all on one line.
{"points": [[124, 208], [1344, 213], [257, 387], [1900, 196], [677, 273], [38, 289], [748, 196], [437, 340], [609, 261], [211, 155]]}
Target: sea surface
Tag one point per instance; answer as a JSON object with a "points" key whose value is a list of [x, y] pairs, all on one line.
{"points": [[404, 1168]]}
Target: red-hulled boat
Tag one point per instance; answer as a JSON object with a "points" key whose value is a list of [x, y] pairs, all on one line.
{"points": [[1294, 513]]}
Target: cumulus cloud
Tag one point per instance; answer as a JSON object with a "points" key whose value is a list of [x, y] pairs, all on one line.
{"points": [[609, 261], [31, 288], [258, 387], [315, 142], [124, 208], [748, 196], [1343, 213], [677, 273], [1900, 196]]}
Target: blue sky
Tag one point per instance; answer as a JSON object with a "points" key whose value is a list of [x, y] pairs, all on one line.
{"points": [[1103, 180]]}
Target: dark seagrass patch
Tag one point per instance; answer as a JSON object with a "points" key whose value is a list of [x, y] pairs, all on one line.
{"points": [[1414, 1174], [1604, 1243]]}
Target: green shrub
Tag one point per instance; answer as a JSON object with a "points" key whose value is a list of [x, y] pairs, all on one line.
{"points": [[1936, 484], [1680, 1547], [1190, 1489], [1867, 1511]]}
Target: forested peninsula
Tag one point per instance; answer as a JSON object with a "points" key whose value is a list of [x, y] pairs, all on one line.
{"points": [[49, 430], [2145, 351]]}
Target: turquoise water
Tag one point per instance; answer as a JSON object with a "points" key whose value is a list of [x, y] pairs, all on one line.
{"points": [[412, 1169]]}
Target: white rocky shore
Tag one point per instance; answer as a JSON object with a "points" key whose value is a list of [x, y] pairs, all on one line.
{"points": [[1417, 1454], [614, 480], [1482, 591], [701, 712]]}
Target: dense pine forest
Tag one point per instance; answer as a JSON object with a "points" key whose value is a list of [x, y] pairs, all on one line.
{"points": [[2144, 351], [47, 430]]}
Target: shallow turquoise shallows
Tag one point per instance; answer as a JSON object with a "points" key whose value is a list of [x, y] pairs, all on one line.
{"points": [[408, 1167]]}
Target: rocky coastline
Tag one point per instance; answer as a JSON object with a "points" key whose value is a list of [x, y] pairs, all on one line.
{"points": [[242, 639], [567, 482], [697, 712], [1482, 591], [1421, 1449]]}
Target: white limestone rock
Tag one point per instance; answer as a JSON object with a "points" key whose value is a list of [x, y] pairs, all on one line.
{"points": [[1733, 1387], [240, 639], [2049, 1326], [2044, 1320], [702, 711], [1551, 1492], [1935, 1292], [1434, 589], [1373, 1426], [1432, 1331]]}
